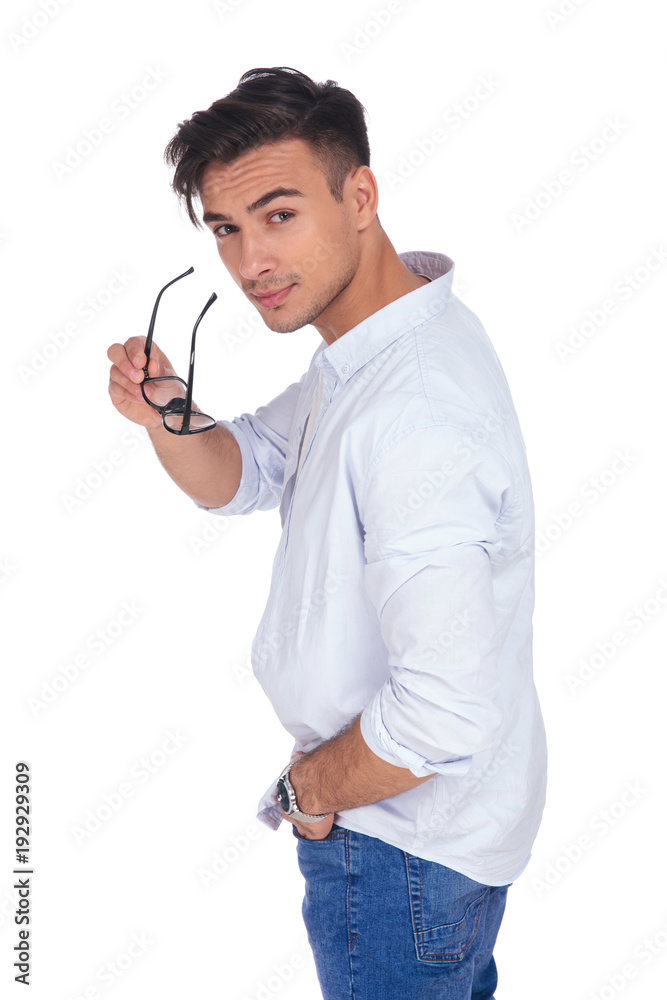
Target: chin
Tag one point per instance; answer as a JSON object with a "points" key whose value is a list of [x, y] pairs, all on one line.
{"points": [[286, 326], [281, 322]]}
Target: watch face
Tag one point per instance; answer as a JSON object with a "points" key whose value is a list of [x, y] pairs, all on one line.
{"points": [[283, 797]]}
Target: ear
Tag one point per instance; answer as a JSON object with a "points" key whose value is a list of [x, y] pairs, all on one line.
{"points": [[364, 195]]}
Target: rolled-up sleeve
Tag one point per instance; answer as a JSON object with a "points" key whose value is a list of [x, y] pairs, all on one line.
{"points": [[430, 510], [262, 439]]}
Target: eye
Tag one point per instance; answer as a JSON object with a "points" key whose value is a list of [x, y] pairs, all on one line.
{"points": [[226, 229], [288, 215]]}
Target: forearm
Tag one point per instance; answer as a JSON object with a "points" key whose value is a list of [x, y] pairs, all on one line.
{"points": [[206, 466], [344, 773]]}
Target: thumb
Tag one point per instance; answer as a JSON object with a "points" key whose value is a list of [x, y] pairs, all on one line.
{"points": [[159, 364]]}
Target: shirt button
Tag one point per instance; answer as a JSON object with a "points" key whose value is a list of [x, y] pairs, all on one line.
{"points": [[345, 369]]}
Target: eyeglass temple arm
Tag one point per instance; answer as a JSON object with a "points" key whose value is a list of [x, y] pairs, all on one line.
{"points": [[149, 338], [191, 370]]}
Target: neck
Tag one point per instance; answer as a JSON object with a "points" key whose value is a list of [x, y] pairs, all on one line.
{"points": [[381, 278]]}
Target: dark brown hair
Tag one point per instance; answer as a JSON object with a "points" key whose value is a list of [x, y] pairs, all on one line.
{"points": [[270, 105]]}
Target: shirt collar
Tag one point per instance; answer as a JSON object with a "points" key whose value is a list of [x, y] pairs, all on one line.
{"points": [[363, 342]]}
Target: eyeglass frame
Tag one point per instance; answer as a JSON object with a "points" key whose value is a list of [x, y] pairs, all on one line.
{"points": [[166, 410]]}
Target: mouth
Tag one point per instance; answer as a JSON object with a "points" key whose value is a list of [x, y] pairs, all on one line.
{"points": [[274, 298]]}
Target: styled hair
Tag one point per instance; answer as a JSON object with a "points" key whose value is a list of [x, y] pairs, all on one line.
{"points": [[271, 105]]}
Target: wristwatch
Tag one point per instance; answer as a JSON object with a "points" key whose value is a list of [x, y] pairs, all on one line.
{"points": [[287, 799]]}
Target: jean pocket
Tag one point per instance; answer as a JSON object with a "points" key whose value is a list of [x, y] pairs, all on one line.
{"points": [[446, 909], [335, 833]]}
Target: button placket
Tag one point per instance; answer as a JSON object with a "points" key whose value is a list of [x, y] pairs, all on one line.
{"points": [[328, 390]]}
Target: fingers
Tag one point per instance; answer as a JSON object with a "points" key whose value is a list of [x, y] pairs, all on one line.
{"points": [[123, 388], [315, 831], [129, 359], [134, 348], [120, 395], [126, 376]]}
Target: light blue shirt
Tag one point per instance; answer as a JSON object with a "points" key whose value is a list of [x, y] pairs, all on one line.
{"points": [[402, 588]]}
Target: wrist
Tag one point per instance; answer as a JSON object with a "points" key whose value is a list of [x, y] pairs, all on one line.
{"points": [[303, 796], [289, 801]]}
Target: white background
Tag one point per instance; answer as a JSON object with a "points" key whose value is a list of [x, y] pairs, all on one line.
{"points": [[576, 918]]}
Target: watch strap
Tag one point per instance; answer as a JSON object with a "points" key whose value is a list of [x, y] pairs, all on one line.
{"points": [[294, 807]]}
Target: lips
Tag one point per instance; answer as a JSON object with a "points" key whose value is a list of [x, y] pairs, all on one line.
{"points": [[275, 298]]}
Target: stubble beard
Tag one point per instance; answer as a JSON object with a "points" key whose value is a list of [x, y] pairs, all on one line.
{"points": [[310, 313]]}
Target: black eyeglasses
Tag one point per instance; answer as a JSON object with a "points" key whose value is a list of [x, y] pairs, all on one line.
{"points": [[170, 395]]}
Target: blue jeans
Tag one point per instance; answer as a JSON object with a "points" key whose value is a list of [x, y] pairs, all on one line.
{"points": [[386, 925]]}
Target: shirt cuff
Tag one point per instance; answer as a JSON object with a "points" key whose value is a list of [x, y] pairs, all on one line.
{"points": [[268, 809], [244, 499], [382, 743]]}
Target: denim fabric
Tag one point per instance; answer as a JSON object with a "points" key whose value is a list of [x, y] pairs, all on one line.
{"points": [[386, 925]]}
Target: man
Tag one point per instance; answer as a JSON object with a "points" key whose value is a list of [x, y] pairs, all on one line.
{"points": [[396, 641]]}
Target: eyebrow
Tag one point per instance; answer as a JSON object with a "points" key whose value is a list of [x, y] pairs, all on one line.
{"points": [[280, 192]]}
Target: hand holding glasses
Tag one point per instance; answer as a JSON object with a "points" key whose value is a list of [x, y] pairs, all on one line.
{"points": [[170, 395]]}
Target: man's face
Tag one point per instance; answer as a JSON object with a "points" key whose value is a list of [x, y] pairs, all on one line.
{"points": [[289, 246]]}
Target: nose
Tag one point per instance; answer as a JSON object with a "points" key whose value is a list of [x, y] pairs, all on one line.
{"points": [[257, 261]]}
